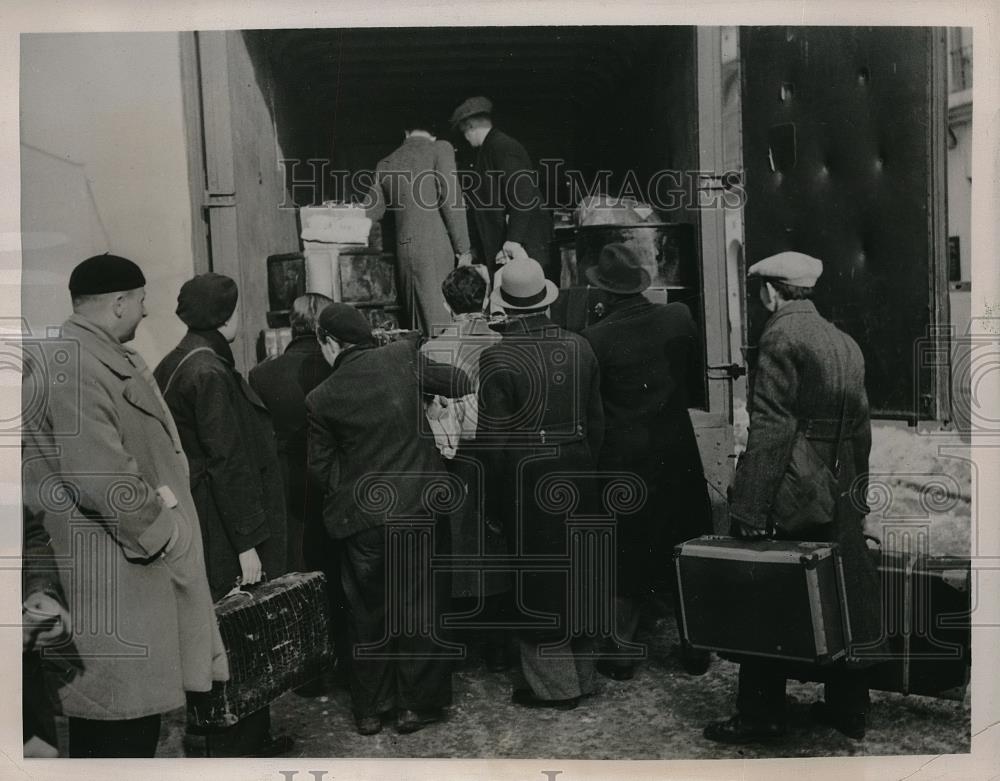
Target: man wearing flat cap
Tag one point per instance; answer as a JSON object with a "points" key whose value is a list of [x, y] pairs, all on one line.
{"points": [[105, 472], [229, 439], [809, 382], [380, 469], [649, 376], [505, 199], [540, 429]]}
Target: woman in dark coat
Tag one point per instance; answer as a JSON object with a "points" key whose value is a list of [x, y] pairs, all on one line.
{"points": [[229, 440], [810, 377], [647, 355]]}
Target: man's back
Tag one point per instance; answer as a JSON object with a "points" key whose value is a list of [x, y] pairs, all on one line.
{"points": [[646, 353], [367, 436]]}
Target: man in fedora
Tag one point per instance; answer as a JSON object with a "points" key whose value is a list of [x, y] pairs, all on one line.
{"points": [[505, 199], [540, 420], [646, 353]]}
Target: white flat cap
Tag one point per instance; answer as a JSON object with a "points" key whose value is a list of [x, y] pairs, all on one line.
{"points": [[792, 268]]}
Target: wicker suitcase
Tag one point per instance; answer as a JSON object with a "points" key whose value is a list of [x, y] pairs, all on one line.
{"points": [[762, 598], [276, 638]]}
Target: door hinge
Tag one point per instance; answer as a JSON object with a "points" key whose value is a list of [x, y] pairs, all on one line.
{"points": [[729, 371], [217, 200]]}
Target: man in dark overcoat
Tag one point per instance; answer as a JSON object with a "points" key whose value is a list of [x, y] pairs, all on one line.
{"points": [[283, 382], [229, 439], [505, 199], [418, 184], [647, 357], [809, 377], [540, 429], [46, 624], [105, 474], [366, 449]]}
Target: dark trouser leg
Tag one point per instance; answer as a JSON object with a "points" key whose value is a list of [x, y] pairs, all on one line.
{"points": [[846, 692], [500, 610], [129, 738], [626, 622], [761, 693], [363, 576], [424, 683]]}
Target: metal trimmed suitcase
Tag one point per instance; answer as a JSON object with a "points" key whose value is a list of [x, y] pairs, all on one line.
{"points": [[762, 598], [276, 637], [928, 611]]}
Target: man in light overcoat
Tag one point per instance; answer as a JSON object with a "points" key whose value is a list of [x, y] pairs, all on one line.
{"points": [[418, 184], [103, 465]]}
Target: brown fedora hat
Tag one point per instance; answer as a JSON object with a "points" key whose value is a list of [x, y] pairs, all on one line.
{"points": [[619, 270]]}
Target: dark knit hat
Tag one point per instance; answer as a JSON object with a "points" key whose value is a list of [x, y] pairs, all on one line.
{"points": [[345, 324], [105, 274], [207, 301]]}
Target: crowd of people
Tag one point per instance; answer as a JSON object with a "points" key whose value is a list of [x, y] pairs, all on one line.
{"points": [[167, 488]]}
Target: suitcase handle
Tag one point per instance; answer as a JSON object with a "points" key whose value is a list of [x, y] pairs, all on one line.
{"points": [[239, 589]]}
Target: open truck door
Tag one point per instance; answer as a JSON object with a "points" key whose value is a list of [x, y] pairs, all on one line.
{"points": [[844, 150]]}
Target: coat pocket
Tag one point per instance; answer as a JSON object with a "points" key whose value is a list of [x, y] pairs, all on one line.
{"points": [[806, 495]]}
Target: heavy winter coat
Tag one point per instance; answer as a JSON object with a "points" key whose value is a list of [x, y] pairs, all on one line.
{"points": [[229, 440], [283, 382], [369, 445], [97, 446], [418, 184], [541, 424], [646, 353], [806, 368]]}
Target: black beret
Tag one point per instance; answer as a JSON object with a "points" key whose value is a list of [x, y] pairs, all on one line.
{"points": [[105, 274], [345, 324], [207, 301]]}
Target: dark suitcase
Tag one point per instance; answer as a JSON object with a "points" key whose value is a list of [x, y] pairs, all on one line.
{"points": [[927, 621], [761, 598], [276, 637]]}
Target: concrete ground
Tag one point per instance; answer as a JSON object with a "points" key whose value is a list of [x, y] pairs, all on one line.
{"points": [[657, 715]]}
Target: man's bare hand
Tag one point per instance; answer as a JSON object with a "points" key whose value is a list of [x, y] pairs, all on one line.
{"points": [[251, 566], [512, 250]]}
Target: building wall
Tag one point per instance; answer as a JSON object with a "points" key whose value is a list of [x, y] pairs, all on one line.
{"points": [[265, 225], [103, 168]]}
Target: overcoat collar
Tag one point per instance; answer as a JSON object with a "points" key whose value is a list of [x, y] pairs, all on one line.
{"points": [[527, 324], [101, 344], [212, 339], [305, 343], [350, 354], [805, 306], [627, 307]]}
